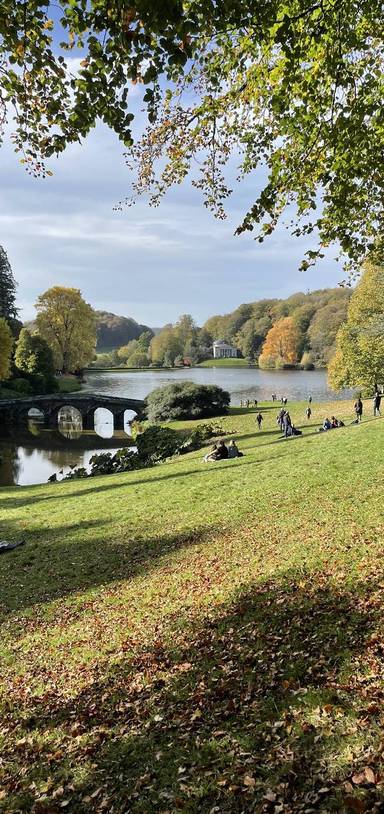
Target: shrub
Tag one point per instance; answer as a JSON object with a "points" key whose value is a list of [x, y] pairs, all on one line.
{"points": [[21, 386], [156, 444], [186, 400]]}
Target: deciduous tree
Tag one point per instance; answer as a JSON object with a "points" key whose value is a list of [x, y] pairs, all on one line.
{"points": [[282, 344], [294, 85], [67, 323], [34, 356], [359, 357]]}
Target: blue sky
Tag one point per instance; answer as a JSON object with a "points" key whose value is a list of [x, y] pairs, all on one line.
{"points": [[151, 264]]}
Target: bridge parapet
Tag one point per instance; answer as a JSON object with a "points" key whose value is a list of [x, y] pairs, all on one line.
{"points": [[17, 410]]}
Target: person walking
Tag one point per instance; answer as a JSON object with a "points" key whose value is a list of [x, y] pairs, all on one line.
{"points": [[309, 399], [358, 408], [376, 403], [259, 419], [285, 401], [308, 412]]}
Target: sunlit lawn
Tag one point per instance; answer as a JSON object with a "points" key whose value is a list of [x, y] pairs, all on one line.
{"points": [[200, 637]]}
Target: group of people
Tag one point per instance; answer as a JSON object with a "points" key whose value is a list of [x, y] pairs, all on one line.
{"points": [[248, 403], [358, 406], [283, 399], [221, 451], [285, 423], [331, 424]]}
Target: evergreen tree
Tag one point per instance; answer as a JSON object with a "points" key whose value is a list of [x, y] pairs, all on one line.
{"points": [[8, 308], [6, 345]]}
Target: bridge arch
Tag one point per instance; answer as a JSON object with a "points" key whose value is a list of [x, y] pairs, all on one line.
{"points": [[69, 421], [104, 422]]}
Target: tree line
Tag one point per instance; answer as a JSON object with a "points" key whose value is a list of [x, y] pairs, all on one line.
{"points": [[338, 328], [62, 338], [300, 330]]}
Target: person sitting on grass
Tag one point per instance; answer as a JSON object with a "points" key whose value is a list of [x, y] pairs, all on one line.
{"points": [[233, 450], [218, 452], [326, 425]]}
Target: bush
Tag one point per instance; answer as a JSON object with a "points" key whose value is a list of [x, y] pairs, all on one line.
{"points": [[156, 444], [21, 386], [186, 400]]}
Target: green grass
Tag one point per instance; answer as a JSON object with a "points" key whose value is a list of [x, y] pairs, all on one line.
{"points": [[226, 363], [200, 637], [68, 384]]}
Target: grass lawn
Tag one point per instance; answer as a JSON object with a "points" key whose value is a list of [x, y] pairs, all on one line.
{"points": [[200, 638], [226, 363], [68, 384]]}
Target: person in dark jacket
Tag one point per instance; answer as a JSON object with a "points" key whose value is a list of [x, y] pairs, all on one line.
{"points": [[358, 408], [279, 419], [376, 403], [259, 419], [287, 425], [221, 451]]}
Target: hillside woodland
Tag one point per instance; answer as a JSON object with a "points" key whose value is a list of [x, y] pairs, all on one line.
{"points": [[114, 331], [298, 331]]}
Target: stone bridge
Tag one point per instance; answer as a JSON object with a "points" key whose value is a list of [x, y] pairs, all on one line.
{"points": [[15, 411]]}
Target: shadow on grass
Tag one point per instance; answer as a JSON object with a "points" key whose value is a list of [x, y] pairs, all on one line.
{"points": [[255, 712], [50, 566], [18, 502]]}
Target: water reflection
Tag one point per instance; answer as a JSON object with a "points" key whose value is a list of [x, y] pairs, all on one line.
{"points": [[31, 454], [70, 422]]}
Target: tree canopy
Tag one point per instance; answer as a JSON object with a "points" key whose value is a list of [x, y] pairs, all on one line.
{"points": [[186, 400], [359, 357], [8, 308], [67, 323], [294, 86], [34, 356], [6, 345]]}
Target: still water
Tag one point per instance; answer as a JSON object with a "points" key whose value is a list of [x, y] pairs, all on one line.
{"points": [[35, 454], [242, 383]]}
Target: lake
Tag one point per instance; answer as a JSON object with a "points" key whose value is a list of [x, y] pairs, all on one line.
{"points": [[34, 455]]}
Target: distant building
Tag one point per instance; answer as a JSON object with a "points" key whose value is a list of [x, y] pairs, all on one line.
{"points": [[221, 350]]}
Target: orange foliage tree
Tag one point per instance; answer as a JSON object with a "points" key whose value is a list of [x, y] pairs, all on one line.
{"points": [[282, 344]]}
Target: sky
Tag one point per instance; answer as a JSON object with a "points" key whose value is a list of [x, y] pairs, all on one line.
{"points": [[152, 264]]}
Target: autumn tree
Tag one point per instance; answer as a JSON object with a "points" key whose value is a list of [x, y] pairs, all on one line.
{"points": [[359, 357], [282, 344], [6, 345], [67, 323], [293, 85]]}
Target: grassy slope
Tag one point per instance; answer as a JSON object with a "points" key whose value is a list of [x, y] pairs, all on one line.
{"points": [[199, 637], [225, 363]]}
